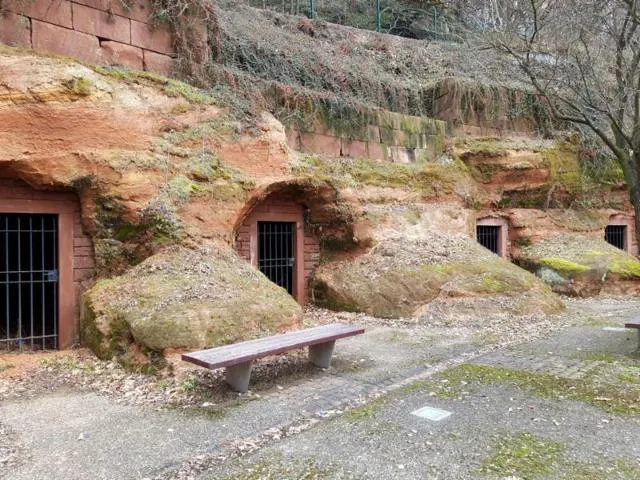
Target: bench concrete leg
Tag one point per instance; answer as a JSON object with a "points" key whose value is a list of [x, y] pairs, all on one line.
{"points": [[320, 355], [238, 376]]}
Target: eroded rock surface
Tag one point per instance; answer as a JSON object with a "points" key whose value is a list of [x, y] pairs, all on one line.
{"points": [[186, 299]]}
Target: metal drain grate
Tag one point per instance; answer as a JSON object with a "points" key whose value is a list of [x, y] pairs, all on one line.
{"points": [[430, 413]]}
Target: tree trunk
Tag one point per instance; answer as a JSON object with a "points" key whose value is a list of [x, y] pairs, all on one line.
{"points": [[633, 184]]}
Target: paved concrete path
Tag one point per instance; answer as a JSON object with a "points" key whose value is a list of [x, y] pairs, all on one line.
{"points": [[69, 435]]}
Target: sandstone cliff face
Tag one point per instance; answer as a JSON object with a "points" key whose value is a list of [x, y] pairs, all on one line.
{"points": [[153, 163], [166, 174]]}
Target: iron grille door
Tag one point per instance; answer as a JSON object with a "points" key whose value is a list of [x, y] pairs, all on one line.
{"points": [[616, 235], [275, 252], [28, 281], [489, 237]]}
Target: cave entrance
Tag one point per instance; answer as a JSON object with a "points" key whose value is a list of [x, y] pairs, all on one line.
{"points": [[276, 255], [616, 235], [493, 234], [28, 281]]}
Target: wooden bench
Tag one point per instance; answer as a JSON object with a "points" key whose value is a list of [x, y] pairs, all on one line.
{"points": [[237, 358], [635, 325]]}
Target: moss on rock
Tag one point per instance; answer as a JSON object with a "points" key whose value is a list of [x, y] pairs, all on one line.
{"points": [[184, 298], [400, 276], [586, 264]]}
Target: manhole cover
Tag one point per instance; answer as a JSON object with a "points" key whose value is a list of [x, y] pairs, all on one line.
{"points": [[430, 413], [614, 329]]}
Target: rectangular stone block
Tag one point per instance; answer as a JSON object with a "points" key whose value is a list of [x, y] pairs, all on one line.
{"points": [[158, 63], [388, 136], [82, 251], [373, 133], [293, 138], [51, 11], [15, 30], [402, 155], [376, 151], [115, 53], [102, 24], [323, 144], [82, 242], [157, 40], [81, 274], [140, 9], [354, 149], [83, 262], [50, 38]]}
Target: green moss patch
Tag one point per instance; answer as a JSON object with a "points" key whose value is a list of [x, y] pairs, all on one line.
{"points": [[428, 178], [389, 283], [611, 398], [626, 268], [563, 266], [169, 86], [523, 455], [278, 469], [185, 299]]}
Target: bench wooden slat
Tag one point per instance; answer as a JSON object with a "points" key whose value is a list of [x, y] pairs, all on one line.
{"points": [[253, 349], [632, 325]]}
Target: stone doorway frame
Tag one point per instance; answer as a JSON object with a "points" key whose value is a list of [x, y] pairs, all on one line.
{"points": [[503, 238], [66, 291], [623, 221]]}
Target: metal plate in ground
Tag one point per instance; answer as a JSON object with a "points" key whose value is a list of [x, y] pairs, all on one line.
{"points": [[614, 329], [430, 413]]}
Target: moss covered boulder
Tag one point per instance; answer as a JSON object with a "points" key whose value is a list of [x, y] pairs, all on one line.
{"points": [[185, 299], [401, 276], [584, 266]]}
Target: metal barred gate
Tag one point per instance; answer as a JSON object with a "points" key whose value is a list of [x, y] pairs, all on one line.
{"points": [[616, 235], [489, 237], [276, 257], [28, 281]]}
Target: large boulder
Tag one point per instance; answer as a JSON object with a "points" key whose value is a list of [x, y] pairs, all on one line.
{"points": [[401, 276], [185, 299], [583, 266]]}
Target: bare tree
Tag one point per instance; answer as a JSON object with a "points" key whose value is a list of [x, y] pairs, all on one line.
{"points": [[583, 58]]}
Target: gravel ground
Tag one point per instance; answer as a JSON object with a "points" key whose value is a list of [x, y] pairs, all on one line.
{"points": [[186, 424]]}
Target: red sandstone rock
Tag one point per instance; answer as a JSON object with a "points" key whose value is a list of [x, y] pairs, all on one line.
{"points": [[115, 53], [50, 38], [157, 40], [156, 62], [354, 149], [140, 9], [322, 144], [376, 150], [51, 11], [102, 24], [15, 30]]}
